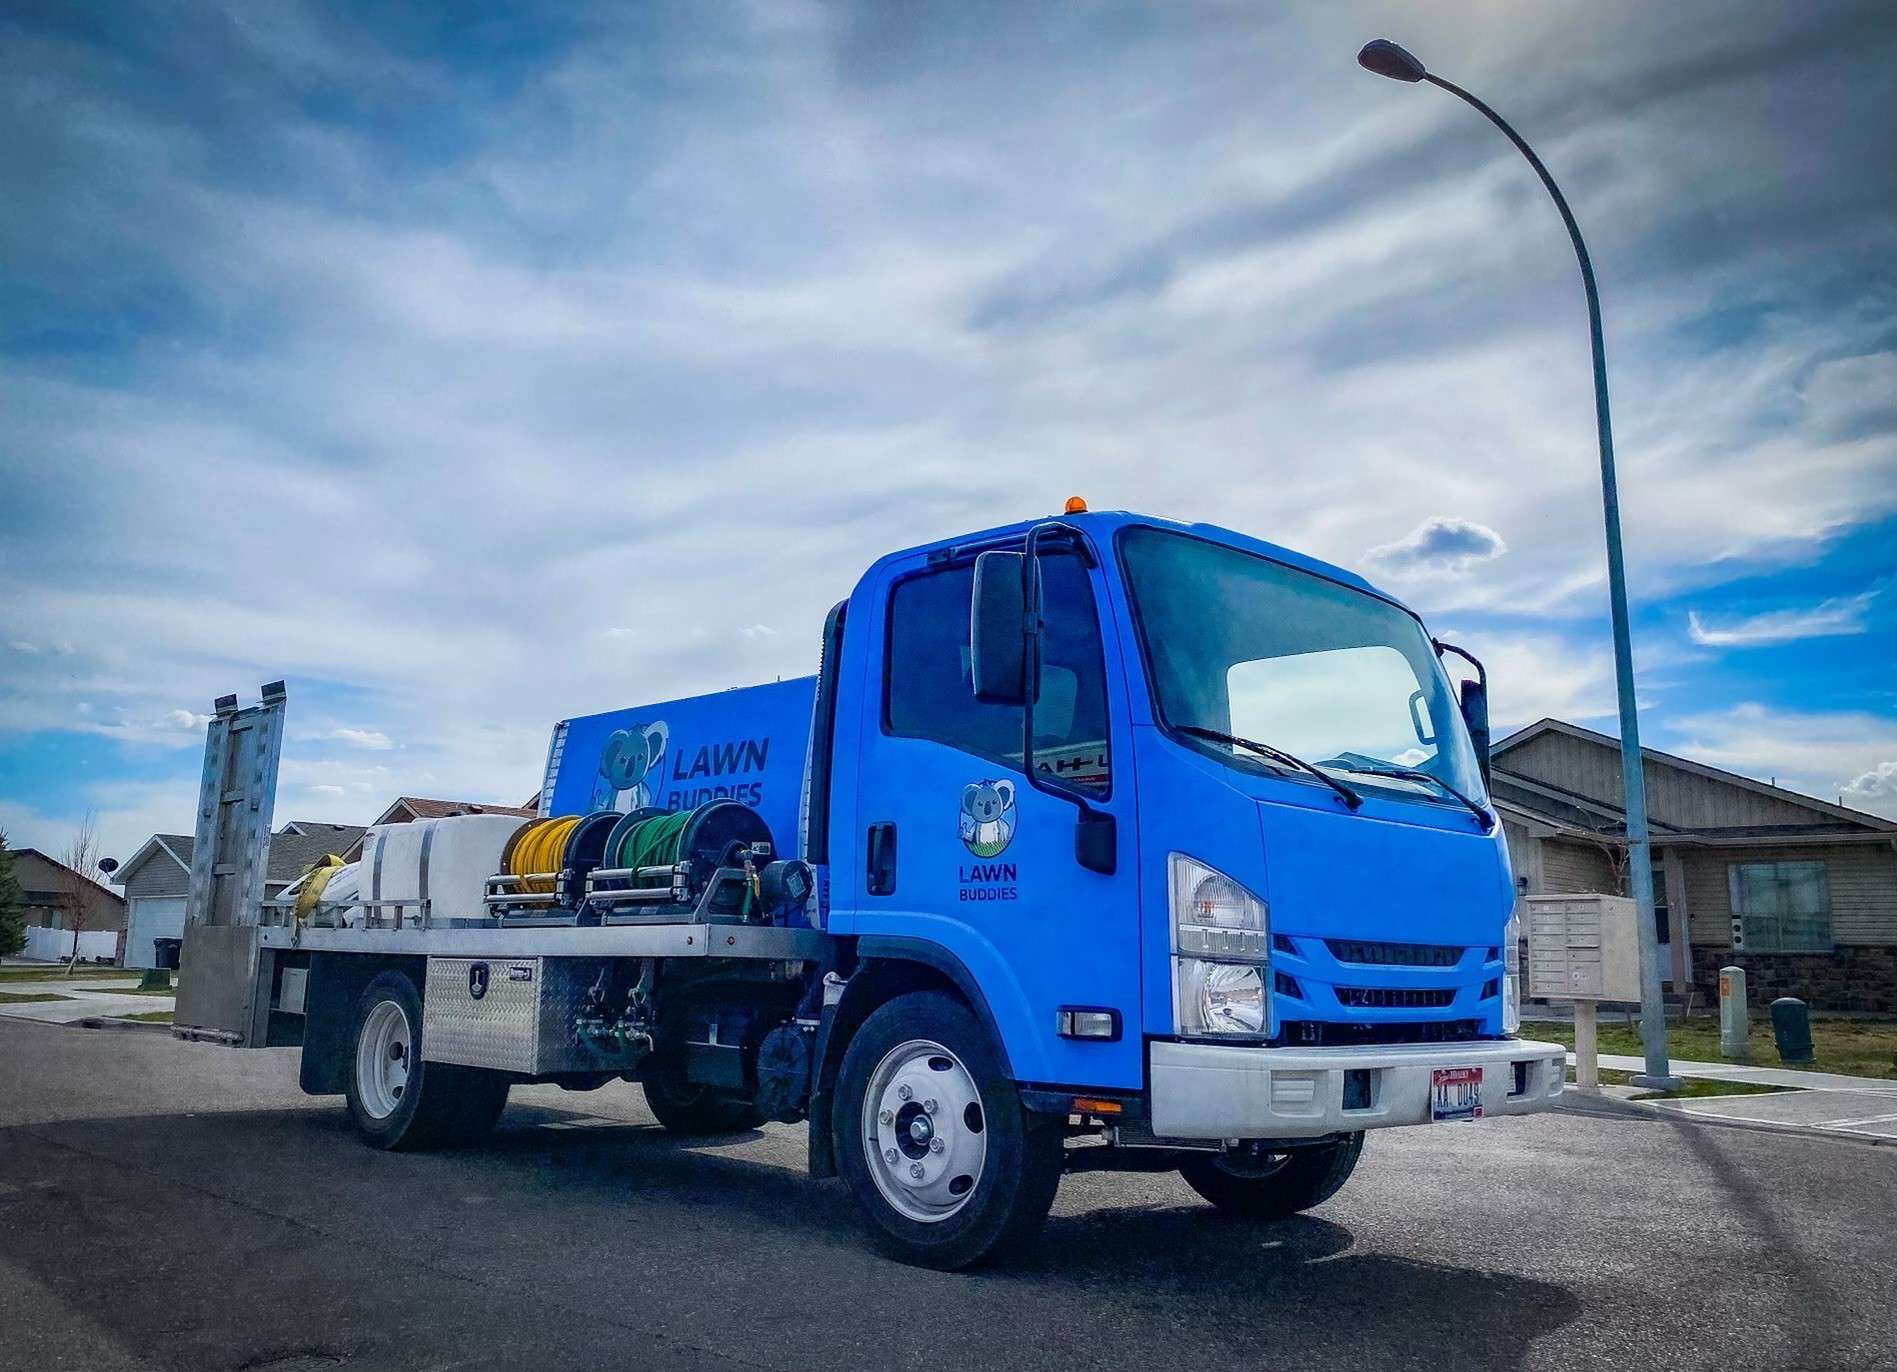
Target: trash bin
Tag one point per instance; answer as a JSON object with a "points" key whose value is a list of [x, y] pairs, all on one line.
{"points": [[165, 953], [1791, 1029]]}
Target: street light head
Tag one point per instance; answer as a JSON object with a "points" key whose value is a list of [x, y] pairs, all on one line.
{"points": [[1385, 58]]}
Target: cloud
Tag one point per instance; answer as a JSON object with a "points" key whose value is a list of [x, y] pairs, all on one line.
{"points": [[539, 363], [1840, 615], [372, 739], [1439, 544], [1803, 751], [1878, 786]]}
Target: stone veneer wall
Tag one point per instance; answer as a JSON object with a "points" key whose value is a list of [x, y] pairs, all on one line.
{"points": [[1849, 978]]}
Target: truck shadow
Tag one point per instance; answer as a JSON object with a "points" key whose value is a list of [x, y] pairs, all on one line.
{"points": [[1297, 1287], [617, 1196]]}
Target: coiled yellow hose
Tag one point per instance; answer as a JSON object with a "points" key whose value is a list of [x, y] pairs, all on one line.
{"points": [[541, 848]]}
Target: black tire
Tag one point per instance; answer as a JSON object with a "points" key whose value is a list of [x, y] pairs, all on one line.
{"points": [[439, 1104], [483, 1096], [1284, 1185], [1020, 1170], [683, 1108]]}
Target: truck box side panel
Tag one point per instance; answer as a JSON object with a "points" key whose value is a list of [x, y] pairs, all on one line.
{"points": [[747, 745]]}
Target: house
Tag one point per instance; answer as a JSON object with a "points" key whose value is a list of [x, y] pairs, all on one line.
{"points": [[1798, 891], [157, 877], [408, 809], [56, 897]]}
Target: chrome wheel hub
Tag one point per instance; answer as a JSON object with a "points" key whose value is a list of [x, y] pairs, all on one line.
{"points": [[383, 1059], [925, 1133]]}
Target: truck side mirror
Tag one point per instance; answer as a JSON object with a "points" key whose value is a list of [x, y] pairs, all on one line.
{"points": [[1474, 700], [997, 619]]}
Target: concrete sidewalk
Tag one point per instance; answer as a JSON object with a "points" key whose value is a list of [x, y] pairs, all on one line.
{"points": [[1820, 1104], [1763, 1076], [86, 998]]}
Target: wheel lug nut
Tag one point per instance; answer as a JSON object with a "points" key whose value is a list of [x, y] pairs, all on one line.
{"points": [[887, 1117], [889, 1155], [929, 1107], [935, 1145], [903, 1091], [915, 1170]]}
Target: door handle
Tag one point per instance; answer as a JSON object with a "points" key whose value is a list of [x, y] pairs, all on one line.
{"points": [[882, 859]]}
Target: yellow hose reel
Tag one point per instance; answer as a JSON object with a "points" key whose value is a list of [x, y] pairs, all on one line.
{"points": [[541, 848]]}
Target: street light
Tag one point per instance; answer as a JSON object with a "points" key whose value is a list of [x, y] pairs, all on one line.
{"points": [[1387, 59]]}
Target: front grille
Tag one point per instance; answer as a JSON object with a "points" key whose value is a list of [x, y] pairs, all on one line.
{"points": [[1392, 998], [1322, 1034], [1369, 954]]}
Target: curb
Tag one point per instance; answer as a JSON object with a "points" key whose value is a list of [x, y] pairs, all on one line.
{"points": [[127, 1025]]}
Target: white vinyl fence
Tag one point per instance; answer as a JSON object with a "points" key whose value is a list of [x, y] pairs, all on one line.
{"points": [[55, 945]]}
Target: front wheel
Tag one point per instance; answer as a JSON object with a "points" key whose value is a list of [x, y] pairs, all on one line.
{"points": [[1270, 1186], [945, 1164]]}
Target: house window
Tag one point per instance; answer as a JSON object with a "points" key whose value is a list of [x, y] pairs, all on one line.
{"points": [[1780, 907]]}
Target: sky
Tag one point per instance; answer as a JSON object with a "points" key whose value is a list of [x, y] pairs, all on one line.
{"points": [[475, 367]]}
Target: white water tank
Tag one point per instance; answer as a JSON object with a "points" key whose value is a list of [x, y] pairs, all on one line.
{"points": [[444, 861]]}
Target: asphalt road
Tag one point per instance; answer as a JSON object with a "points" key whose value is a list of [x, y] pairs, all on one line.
{"points": [[175, 1205]]}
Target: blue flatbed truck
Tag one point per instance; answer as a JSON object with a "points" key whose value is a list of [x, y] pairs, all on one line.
{"points": [[1098, 842]]}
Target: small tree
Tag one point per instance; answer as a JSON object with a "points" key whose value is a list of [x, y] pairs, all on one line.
{"points": [[81, 876], [12, 911]]}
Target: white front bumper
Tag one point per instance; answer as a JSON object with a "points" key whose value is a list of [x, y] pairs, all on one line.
{"points": [[1238, 1091]]}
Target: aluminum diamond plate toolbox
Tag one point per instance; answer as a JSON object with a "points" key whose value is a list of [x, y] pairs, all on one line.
{"points": [[509, 1014]]}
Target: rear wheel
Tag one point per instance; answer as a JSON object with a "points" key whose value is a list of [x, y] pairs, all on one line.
{"points": [[398, 1101], [1269, 1186], [946, 1165], [684, 1108]]}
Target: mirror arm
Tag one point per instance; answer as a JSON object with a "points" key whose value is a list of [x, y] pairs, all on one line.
{"points": [[1481, 672]]}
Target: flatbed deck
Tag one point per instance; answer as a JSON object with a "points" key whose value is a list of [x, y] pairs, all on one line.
{"points": [[678, 940]]}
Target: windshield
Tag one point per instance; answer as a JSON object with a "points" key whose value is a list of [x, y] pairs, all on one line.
{"points": [[1246, 646]]}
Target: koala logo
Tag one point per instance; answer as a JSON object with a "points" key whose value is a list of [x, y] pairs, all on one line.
{"points": [[988, 817], [630, 768]]}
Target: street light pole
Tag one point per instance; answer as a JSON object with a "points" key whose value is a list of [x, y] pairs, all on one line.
{"points": [[1387, 59]]}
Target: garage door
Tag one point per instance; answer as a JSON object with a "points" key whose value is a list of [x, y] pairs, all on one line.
{"points": [[151, 917]]}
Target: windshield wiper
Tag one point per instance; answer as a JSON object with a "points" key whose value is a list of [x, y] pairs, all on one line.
{"points": [[1277, 755], [1480, 811]]}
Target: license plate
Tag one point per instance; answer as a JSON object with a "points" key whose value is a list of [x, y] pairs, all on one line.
{"points": [[1455, 1093]]}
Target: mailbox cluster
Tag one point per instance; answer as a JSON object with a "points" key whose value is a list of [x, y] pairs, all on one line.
{"points": [[1583, 947]]}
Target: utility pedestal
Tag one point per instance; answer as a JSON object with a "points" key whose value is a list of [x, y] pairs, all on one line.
{"points": [[1735, 1027]]}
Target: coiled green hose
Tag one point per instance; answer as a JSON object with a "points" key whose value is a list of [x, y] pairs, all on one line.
{"points": [[652, 842]]}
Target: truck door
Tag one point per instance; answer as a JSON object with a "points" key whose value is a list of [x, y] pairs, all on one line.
{"points": [[956, 850]]}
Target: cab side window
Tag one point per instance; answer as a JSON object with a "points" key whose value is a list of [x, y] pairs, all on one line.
{"points": [[929, 691]]}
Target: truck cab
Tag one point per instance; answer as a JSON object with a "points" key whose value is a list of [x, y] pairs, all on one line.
{"points": [[1060, 773]]}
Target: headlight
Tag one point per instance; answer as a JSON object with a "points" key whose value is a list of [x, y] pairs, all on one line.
{"points": [[1221, 997], [1221, 947], [1511, 975]]}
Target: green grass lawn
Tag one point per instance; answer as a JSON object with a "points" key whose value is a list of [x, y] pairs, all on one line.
{"points": [[28, 997], [141, 991], [1693, 1089], [149, 1016], [1856, 1047], [56, 971]]}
